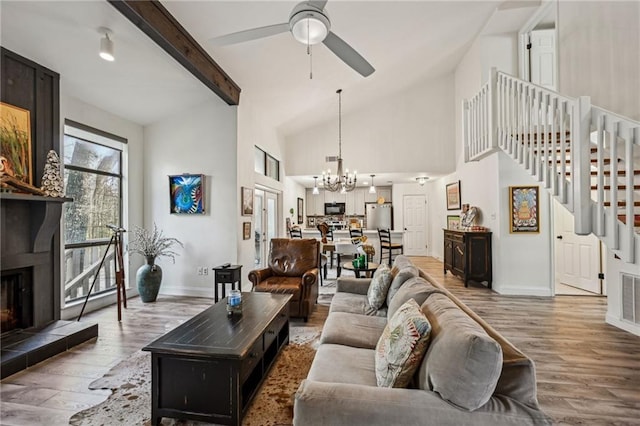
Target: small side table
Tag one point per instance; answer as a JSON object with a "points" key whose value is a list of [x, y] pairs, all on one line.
{"points": [[367, 270], [230, 274]]}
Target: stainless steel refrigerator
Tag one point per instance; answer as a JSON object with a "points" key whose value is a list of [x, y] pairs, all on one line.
{"points": [[379, 215]]}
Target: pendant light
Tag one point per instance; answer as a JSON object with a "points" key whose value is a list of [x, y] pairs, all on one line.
{"points": [[372, 188], [106, 45], [315, 191]]}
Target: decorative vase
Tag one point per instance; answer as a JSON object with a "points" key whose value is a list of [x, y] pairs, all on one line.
{"points": [[148, 279]]}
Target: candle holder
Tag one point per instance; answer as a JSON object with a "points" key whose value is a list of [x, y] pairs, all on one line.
{"points": [[234, 303]]}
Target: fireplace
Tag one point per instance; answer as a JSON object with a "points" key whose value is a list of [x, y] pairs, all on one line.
{"points": [[16, 300]]}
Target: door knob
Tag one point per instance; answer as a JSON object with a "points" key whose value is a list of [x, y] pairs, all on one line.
{"points": [[559, 237]]}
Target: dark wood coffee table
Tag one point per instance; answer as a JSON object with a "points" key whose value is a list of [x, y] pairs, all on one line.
{"points": [[210, 367], [371, 267]]}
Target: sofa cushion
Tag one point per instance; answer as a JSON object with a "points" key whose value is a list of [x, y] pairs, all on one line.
{"points": [[416, 288], [355, 304], [401, 346], [359, 331], [343, 364], [401, 261], [379, 286], [463, 363], [399, 277]]}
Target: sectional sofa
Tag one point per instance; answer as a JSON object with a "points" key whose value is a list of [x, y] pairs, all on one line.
{"points": [[470, 374]]}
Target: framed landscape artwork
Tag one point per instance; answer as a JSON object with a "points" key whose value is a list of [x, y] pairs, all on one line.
{"points": [[247, 201], [453, 222], [186, 192], [453, 196], [300, 210], [524, 213], [15, 142]]}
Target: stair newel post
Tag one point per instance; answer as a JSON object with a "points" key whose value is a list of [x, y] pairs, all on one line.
{"points": [[600, 226], [580, 166], [629, 181]]}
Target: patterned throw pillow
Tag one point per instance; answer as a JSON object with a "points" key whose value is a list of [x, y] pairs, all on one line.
{"points": [[402, 346], [379, 286]]}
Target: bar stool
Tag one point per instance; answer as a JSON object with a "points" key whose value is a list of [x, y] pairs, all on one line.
{"points": [[295, 233], [386, 244]]}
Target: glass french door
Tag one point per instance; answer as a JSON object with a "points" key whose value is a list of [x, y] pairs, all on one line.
{"points": [[266, 223]]}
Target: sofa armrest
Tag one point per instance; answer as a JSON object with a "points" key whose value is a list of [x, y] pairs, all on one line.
{"points": [[258, 275], [353, 285], [320, 403]]}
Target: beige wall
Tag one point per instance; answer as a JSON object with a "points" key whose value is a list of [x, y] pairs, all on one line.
{"points": [[599, 45]]}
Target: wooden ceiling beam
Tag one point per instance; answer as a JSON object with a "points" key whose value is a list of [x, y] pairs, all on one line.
{"points": [[157, 23]]}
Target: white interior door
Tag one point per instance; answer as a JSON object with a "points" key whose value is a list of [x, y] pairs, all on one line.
{"points": [[542, 58], [415, 225], [577, 257]]}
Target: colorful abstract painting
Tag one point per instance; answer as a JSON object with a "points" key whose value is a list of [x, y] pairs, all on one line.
{"points": [[187, 194], [524, 209]]}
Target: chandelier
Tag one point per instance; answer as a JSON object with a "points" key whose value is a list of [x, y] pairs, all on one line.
{"points": [[343, 181]]}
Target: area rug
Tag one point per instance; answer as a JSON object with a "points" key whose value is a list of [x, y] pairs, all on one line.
{"points": [[130, 383]]}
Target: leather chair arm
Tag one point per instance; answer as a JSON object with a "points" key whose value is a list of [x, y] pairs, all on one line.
{"points": [[258, 275], [308, 280]]}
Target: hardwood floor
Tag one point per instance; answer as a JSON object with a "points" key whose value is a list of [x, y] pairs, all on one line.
{"points": [[588, 372]]}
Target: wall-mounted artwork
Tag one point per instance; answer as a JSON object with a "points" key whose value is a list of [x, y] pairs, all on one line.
{"points": [[300, 210], [246, 230], [15, 142], [247, 201], [453, 196], [523, 202], [453, 222], [187, 194]]}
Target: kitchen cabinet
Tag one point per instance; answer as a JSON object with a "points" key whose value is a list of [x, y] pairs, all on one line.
{"points": [[334, 197], [384, 192], [355, 202], [467, 255], [315, 203]]}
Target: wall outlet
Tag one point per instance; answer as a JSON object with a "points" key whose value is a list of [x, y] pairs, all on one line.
{"points": [[200, 270], [205, 270]]}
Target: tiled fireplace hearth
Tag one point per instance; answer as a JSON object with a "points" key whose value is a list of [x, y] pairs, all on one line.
{"points": [[30, 283]]}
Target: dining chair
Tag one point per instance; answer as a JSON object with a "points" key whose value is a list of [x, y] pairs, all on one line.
{"points": [[387, 245]]}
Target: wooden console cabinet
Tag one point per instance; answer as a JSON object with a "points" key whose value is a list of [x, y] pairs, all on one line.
{"points": [[468, 255]]}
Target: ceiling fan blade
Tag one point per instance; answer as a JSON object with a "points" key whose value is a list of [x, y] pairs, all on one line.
{"points": [[347, 53], [319, 4], [252, 34]]}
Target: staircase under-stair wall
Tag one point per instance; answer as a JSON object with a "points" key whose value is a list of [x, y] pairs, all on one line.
{"points": [[586, 157]]}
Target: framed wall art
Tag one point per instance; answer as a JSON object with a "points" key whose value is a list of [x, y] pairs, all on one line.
{"points": [[15, 142], [453, 222], [246, 230], [300, 210], [247, 201], [187, 193], [524, 212], [453, 195]]}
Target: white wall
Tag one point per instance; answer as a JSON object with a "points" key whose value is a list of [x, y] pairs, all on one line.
{"points": [[412, 131], [200, 141], [81, 112]]}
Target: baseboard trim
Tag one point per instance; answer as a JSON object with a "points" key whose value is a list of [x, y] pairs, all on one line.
{"points": [[624, 325], [187, 291], [522, 291]]}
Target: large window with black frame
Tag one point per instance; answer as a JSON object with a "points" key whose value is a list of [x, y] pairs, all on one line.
{"points": [[93, 176]]}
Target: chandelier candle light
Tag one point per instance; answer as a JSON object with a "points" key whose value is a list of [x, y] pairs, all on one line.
{"points": [[342, 181]]}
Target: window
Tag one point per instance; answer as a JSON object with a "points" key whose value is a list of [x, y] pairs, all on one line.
{"points": [[266, 165], [93, 177]]}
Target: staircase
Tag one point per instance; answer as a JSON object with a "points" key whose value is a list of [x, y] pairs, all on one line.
{"points": [[586, 157]]}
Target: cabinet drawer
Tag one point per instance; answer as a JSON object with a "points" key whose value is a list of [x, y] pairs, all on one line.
{"points": [[274, 329], [251, 360], [454, 237], [225, 276]]}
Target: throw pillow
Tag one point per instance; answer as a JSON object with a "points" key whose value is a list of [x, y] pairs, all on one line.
{"points": [[379, 286], [401, 346]]}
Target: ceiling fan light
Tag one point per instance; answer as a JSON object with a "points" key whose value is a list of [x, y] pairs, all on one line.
{"points": [[309, 28]]}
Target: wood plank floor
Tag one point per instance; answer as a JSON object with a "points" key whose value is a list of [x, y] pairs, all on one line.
{"points": [[588, 372]]}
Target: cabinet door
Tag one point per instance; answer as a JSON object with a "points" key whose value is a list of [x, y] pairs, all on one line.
{"points": [[459, 258], [319, 203], [359, 196], [448, 253], [351, 203], [310, 207], [385, 193]]}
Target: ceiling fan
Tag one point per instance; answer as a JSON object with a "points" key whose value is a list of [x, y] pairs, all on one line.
{"points": [[309, 23]]}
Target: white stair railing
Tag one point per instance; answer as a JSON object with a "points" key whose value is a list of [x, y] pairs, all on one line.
{"points": [[550, 135]]}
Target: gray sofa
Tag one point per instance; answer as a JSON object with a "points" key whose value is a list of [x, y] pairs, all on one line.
{"points": [[470, 374]]}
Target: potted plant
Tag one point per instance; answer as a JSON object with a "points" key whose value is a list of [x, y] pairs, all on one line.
{"points": [[151, 245]]}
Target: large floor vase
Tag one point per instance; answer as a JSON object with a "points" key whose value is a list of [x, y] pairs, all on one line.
{"points": [[148, 279]]}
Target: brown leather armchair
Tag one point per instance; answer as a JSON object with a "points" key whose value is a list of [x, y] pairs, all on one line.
{"points": [[293, 269]]}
